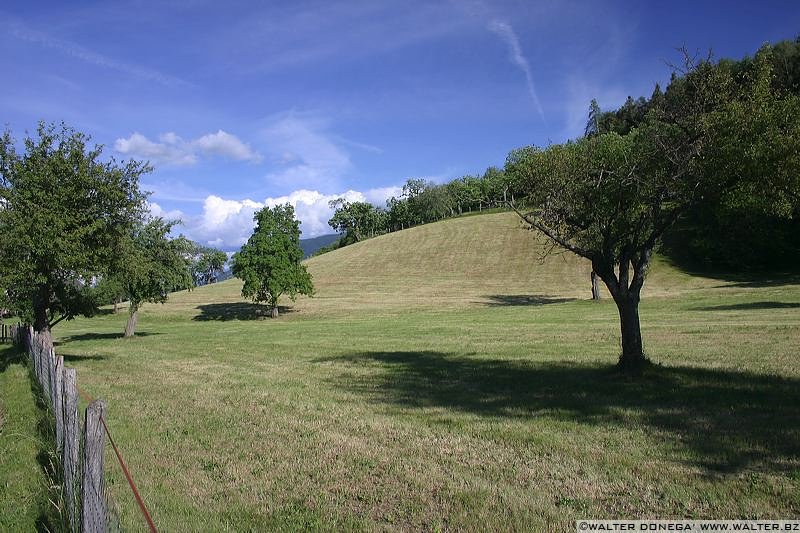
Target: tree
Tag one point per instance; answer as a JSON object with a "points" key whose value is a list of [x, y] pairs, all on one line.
{"points": [[399, 214], [154, 265], [357, 220], [270, 262], [610, 197], [593, 121], [208, 264], [64, 216]]}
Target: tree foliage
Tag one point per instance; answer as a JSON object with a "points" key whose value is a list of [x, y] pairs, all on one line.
{"points": [[741, 224], [64, 216], [270, 262], [356, 220], [610, 197], [207, 264], [153, 266]]}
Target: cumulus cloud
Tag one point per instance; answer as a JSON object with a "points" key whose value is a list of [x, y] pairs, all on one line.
{"points": [[224, 224], [170, 150], [157, 211], [378, 196], [311, 208], [507, 33], [227, 223], [224, 144], [174, 150]]}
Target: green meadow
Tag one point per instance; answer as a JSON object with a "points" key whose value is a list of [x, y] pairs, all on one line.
{"points": [[446, 377]]}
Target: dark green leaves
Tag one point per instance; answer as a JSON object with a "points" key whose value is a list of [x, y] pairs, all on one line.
{"points": [[65, 213], [269, 263]]}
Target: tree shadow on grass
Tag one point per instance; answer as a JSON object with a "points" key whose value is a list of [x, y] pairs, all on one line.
{"points": [[99, 337], [727, 420], [237, 311], [11, 355], [749, 306], [72, 358], [519, 300], [758, 282]]}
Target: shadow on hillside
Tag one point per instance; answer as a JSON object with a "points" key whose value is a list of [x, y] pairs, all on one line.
{"points": [[749, 306], [99, 337], [519, 300], [727, 420], [237, 311], [778, 280]]}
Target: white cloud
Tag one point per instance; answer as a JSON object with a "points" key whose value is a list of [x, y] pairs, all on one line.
{"points": [[170, 151], [227, 145], [157, 211], [311, 208], [378, 196], [311, 159], [174, 150], [227, 224], [507, 33]]}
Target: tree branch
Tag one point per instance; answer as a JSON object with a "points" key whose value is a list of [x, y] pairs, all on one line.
{"points": [[551, 234]]}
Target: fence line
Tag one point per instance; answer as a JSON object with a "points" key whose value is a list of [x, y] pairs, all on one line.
{"points": [[84, 481]]}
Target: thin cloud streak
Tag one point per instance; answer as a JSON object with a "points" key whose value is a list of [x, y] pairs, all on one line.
{"points": [[24, 33], [506, 32]]}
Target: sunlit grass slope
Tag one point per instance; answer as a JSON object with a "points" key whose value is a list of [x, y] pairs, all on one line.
{"points": [[462, 262], [444, 379]]}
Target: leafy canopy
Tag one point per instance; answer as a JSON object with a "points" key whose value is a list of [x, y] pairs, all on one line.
{"points": [[64, 215], [154, 264], [208, 264], [270, 262]]}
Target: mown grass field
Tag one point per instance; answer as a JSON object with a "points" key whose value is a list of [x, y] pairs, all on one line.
{"points": [[444, 378]]}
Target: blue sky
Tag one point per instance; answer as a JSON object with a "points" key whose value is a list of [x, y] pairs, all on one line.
{"points": [[245, 104]]}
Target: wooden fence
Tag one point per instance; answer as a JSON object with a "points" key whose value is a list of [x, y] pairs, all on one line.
{"points": [[5, 331], [84, 484]]}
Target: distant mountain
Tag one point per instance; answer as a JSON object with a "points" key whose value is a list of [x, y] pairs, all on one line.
{"points": [[310, 246]]}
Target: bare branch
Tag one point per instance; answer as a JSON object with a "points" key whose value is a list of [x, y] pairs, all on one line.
{"points": [[561, 241]]}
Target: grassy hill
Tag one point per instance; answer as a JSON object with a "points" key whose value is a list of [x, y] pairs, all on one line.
{"points": [[444, 379], [463, 262]]}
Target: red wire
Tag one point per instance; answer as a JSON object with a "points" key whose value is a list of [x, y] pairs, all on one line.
{"points": [[124, 468]]}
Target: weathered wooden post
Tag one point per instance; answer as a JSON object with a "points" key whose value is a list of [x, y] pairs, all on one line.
{"points": [[595, 286], [93, 511], [37, 355], [71, 445], [51, 381], [58, 403]]}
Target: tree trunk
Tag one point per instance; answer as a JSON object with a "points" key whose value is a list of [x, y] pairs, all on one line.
{"points": [[595, 286], [133, 315], [40, 321], [632, 357], [274, 313]]}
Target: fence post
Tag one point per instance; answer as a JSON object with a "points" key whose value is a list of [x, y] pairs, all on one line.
{"points": [[37, 354], [94, 503], [71, 444], [58, 403], [51, 382]]}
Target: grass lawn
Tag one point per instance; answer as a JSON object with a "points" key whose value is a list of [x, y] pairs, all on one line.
{"points": [[426, 388], [25, 488]]}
